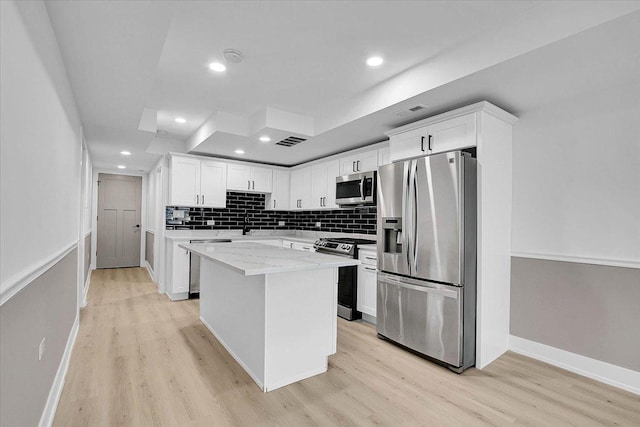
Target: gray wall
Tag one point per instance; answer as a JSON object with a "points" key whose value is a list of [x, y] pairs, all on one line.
{"points": [[148, 248], [45, 308], [591, 310], [87, 257]]}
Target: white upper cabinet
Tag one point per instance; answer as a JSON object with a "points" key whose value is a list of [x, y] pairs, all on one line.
{"points": [[194, 182], [213, 184], [437, 137], [323, 185], [249, 178], [279, 198], [384, 156], [301, 189], [361, 162], [184, 185]]}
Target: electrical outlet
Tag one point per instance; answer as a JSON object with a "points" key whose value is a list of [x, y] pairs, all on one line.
{"points": [[41, 349], [280, 223], [211, 222], [318, 224]]}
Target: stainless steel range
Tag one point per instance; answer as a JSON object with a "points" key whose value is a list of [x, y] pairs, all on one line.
{"points": [[347, 276]]}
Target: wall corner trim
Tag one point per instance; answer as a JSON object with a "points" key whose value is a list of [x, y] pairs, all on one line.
{"points": [[49, 413], [604, 372], [22, 279]]}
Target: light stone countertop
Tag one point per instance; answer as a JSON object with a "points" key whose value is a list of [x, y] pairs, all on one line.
{"points": [[255, 258], [236, 235]]}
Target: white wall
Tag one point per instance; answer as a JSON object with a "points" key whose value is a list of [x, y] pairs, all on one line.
{"points": [[41, 145], [576, 177]]}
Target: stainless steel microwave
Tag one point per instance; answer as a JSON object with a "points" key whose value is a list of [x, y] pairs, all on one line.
{"points": [[357, 189]]}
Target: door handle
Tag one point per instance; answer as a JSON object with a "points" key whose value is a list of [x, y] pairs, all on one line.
{"points": [[136, 226], [362, 188]]}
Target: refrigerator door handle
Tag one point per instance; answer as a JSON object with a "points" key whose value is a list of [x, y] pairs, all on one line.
{"points": [[426, 287], [406, 214], [415, 218]]}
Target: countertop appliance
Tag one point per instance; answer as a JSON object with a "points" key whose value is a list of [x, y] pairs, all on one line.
{"points": [[347, 276], [357, 189], [427, 256], [194, 267]]}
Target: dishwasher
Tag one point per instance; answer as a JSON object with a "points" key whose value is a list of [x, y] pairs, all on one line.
{"points": [[194, 267]]}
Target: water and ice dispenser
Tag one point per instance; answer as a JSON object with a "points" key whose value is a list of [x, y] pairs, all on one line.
{"points": [[392, 235]]}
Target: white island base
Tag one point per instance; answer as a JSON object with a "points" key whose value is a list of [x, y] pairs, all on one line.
{"points": [[281, 327]]}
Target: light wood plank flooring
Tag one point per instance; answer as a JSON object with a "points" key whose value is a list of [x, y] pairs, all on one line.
{"points": [[141, 360]]}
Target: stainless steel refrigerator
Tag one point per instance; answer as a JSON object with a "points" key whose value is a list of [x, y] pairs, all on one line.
{"points": [[427, 256]]}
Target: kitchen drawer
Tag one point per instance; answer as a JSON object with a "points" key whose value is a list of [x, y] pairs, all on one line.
{"points": [[368, 257]]}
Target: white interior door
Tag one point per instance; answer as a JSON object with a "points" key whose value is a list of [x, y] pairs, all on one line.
{"points": [[118, 221]]}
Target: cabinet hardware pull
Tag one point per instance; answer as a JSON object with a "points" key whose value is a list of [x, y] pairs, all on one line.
{"points": [[203, 199], [274, 203], [370, 257], [369, 268], [353, 166], [358, 165], [248, 185], [253, 187], [430, 137], [197, 199], [422, 143]]}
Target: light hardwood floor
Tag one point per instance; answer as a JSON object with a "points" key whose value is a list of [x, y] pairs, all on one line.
{"points": [[141, 360]]}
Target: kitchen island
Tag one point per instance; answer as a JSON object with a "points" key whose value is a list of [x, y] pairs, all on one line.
{"points": [[274, 309]]}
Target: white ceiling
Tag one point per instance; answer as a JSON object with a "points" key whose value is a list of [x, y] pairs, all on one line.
{"points": [[304, 72]]}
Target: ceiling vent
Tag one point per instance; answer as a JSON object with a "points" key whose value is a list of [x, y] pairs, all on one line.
{"points": [[290, 141], [414, 109]]}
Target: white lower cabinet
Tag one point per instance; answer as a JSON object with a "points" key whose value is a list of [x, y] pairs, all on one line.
{"points": [[367, 283], [179, 269]]}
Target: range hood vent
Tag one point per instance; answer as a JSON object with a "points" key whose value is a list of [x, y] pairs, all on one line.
{"points": [[290, 141]]}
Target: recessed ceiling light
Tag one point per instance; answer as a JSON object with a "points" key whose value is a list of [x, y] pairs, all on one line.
{"points": [[239, 151], [218, 67], [180, 120], [374, 61], [125, 153], [265, 138], [122, 167]]}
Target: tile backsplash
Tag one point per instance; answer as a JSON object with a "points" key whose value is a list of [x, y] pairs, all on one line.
{"points": [[357, 220]]}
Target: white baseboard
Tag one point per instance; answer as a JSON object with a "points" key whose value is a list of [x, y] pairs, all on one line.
{"points": [[604, 372], [86, 288], [49, 413], [149, 269]]}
